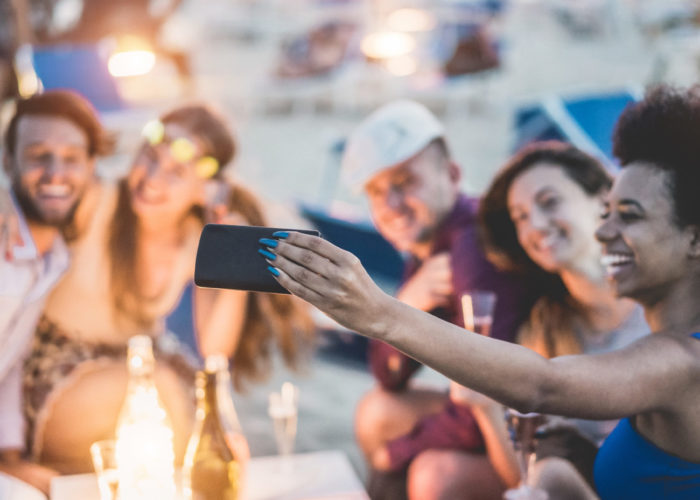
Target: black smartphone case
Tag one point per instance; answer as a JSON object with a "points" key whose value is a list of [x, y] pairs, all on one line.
{"points": [[227, 257]]}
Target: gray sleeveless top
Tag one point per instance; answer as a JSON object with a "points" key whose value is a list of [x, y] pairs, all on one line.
{"points": [[633, 328]]}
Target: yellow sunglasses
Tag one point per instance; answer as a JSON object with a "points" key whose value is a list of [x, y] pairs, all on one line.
{"points": [[182, 149]]}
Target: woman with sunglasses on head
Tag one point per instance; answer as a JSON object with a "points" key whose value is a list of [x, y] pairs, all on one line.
{"points": [[134, 246], [651, 252]]}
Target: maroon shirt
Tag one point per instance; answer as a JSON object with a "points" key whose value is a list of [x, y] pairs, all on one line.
{"points": [[455, 427]]}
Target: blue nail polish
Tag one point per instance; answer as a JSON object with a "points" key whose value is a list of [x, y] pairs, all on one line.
{"points": [[273, 270], [267, 254], [280, 234], [268, 242]]}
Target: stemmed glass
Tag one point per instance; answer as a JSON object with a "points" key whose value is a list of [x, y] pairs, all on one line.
{"points": [[104, 460], [477, 309], [283, 409], [523, 430]]}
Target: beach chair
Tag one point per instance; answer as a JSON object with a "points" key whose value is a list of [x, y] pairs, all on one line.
{"points": [[585, 121], [378, 257], [79, 68]]}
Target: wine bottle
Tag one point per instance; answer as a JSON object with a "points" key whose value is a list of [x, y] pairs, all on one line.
{"points": [[144, 448], [218, 363], [212, 471]]}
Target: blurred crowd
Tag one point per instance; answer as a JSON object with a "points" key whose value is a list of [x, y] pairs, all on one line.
{"points": [[583, 267], [89, 263]]}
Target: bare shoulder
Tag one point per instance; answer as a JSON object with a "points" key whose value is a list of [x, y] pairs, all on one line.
{"points": [[674, 351], [682, 346], [691, 346]]}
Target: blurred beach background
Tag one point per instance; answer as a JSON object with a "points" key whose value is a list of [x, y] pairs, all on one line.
{"points": [[291, 121]]}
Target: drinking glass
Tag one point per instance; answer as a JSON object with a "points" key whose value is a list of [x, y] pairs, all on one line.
{"points": [[283, 411], [523, 430], [104, 459], [477, 309]]}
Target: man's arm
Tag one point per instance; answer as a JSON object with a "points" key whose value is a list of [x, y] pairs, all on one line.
{"points": [[12, 434], [428, 288], [390, 367], [9, 224]]}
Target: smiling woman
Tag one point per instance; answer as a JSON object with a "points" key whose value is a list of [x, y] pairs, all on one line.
{"points": [[133, 253], [539, 217], [653, 384]]}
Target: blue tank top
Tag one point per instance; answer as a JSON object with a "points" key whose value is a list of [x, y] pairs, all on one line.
{"points": [[629, 466]]}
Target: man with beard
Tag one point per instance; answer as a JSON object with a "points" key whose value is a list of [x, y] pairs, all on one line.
{"points": [[412, 436], [50, 149]]}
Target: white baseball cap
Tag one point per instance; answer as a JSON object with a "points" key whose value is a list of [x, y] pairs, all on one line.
{"points": [[390, 135]]}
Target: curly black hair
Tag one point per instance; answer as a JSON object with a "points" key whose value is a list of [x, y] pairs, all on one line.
{"points": [[663, 130]]}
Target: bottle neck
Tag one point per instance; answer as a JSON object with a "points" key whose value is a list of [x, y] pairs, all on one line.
{"points": [[140, 361], [141, 370], [216, 363], [206, 394]]}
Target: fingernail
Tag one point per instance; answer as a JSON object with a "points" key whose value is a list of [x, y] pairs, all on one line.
{"points": [[268, 242], [280, 234], [267, 254], [273, 270]]}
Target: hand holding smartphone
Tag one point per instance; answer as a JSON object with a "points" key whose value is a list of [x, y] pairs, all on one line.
{"points": [[228, 257]]}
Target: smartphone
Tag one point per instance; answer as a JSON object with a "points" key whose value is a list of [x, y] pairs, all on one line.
{"points": [[227, 257]]}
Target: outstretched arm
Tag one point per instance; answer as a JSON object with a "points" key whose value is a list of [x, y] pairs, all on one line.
{"points": [[219, 317], [649, 375]]}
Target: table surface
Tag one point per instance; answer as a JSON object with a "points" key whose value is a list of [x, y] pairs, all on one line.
{"points": [[325, 475], [12, 488]]}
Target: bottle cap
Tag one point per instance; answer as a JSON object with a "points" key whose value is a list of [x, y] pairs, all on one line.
{"points": [[216, 363], [140, 342]]}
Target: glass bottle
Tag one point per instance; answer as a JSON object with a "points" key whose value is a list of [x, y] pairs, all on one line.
{"points": [[212, 471], [144, 449], [218, 363]]}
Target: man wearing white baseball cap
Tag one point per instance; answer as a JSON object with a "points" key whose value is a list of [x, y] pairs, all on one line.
{"points": [[399, 156]]}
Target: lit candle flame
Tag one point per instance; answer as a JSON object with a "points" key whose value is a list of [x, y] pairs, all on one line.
{"points": [[387, 44], [131, 63], [144, 449], [145, 456]]}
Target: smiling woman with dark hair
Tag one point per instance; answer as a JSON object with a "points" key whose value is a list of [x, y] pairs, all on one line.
{"points": [[651, 253], [539, 218]]}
